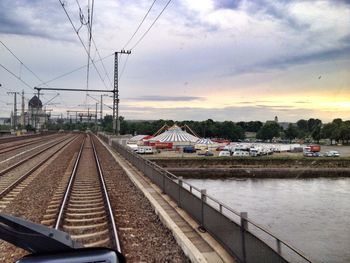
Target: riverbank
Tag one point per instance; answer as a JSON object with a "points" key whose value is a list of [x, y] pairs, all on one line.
{"points": [[255, 167]]}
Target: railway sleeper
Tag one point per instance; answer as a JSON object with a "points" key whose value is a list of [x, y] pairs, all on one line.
{"points": [[84, 209], [89, 215], [91, 226], [94, 236], [78, 205]]}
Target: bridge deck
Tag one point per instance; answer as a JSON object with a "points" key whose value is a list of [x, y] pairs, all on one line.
{"points": [[199, 247]]}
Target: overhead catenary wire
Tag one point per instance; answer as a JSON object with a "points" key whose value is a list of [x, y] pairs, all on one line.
{"points": [[150, 27], [83, 21], [21, 62], [126, 61], [16, 76], [137, 29], [72, 71], [81, 41]]}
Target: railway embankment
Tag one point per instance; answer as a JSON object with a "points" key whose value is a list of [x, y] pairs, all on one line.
{"points": [[255, 167]]}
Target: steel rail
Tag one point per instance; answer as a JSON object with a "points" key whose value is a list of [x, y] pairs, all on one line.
{"points": [[18, 138], [24, 176], [105, 193], [15, 147], [6, 170], [69, 186]]}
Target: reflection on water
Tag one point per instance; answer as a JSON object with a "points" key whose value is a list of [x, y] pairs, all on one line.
{"points": [[311, 214]]}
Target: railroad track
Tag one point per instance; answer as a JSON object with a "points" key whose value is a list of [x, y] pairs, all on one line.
{"points": [[81, 206], [21, 145], [19, 138], [11, 184]]}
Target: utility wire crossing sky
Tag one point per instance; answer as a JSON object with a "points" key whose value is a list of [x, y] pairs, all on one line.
{"points": [[191, 60]]}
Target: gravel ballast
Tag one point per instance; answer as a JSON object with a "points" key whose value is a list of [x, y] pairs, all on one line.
{"points": [[143, 236], [32, 202]]}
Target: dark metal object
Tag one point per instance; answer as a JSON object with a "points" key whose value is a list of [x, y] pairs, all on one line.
{"points": [[34, 237], [87, 90], [116, 123], [86, 255]]}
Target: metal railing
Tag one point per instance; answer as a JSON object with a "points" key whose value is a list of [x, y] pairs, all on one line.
{"points": [[242, 237]]}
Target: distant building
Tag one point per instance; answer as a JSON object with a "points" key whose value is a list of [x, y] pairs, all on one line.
{"points": [[35, 116], [5, 121]]}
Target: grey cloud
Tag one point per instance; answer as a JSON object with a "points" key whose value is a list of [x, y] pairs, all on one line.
{"points": [[244, 113], [38, 18], [164, 98], [227, 4], [285, 62]]}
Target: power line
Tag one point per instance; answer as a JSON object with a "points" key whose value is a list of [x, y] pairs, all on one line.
{"points": [[137, 29], [20, 61], [81, 41], [72, 71], [144, 34], [126, 61], [83, 21], [16, 76]]}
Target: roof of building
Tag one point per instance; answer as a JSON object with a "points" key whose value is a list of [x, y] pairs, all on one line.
{"points": [[139, 137], [175, 134], [35, 102]]}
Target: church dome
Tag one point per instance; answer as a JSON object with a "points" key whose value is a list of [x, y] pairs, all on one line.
{"points": [[35, 102]]}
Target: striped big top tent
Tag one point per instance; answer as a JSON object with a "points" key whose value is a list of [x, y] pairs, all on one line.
{"points": [[177, 136]]}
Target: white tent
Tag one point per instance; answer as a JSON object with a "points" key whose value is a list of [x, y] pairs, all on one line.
{"points": [[206, 143], [177, 136], [136, 139]]}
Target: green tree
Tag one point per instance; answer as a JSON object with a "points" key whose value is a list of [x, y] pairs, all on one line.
{"points": [[269, 131], [291, 132]]}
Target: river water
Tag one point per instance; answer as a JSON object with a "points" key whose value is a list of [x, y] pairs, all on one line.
{"points": [[311, 214]]}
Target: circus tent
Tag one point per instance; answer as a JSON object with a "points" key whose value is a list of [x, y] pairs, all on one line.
{"points": [[206, 143], [177, 136]]}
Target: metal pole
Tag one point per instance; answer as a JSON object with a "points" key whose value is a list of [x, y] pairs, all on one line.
{"points": [[96, 115], [15, 112], [115, 93], [101, 109], [203, 200], [244, 226], [116, 122], [22, 113]]}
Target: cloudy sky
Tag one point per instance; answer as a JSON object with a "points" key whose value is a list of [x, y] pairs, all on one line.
{"points": [[226, 59]]}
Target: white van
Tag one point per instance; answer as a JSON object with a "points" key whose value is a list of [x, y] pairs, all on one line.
{"points": [[224, 153], [254, 152], [148, 150], [140, 149], [240, 153]]}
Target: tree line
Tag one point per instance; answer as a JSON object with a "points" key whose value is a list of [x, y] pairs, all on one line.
{"points": [[309, 130]]}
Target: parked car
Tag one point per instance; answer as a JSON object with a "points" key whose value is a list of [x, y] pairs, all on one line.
{"points": [[224, 153], [207, 153], [220, 148], [189, 149], [317, 154], [332, 154], [308, 154]]}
